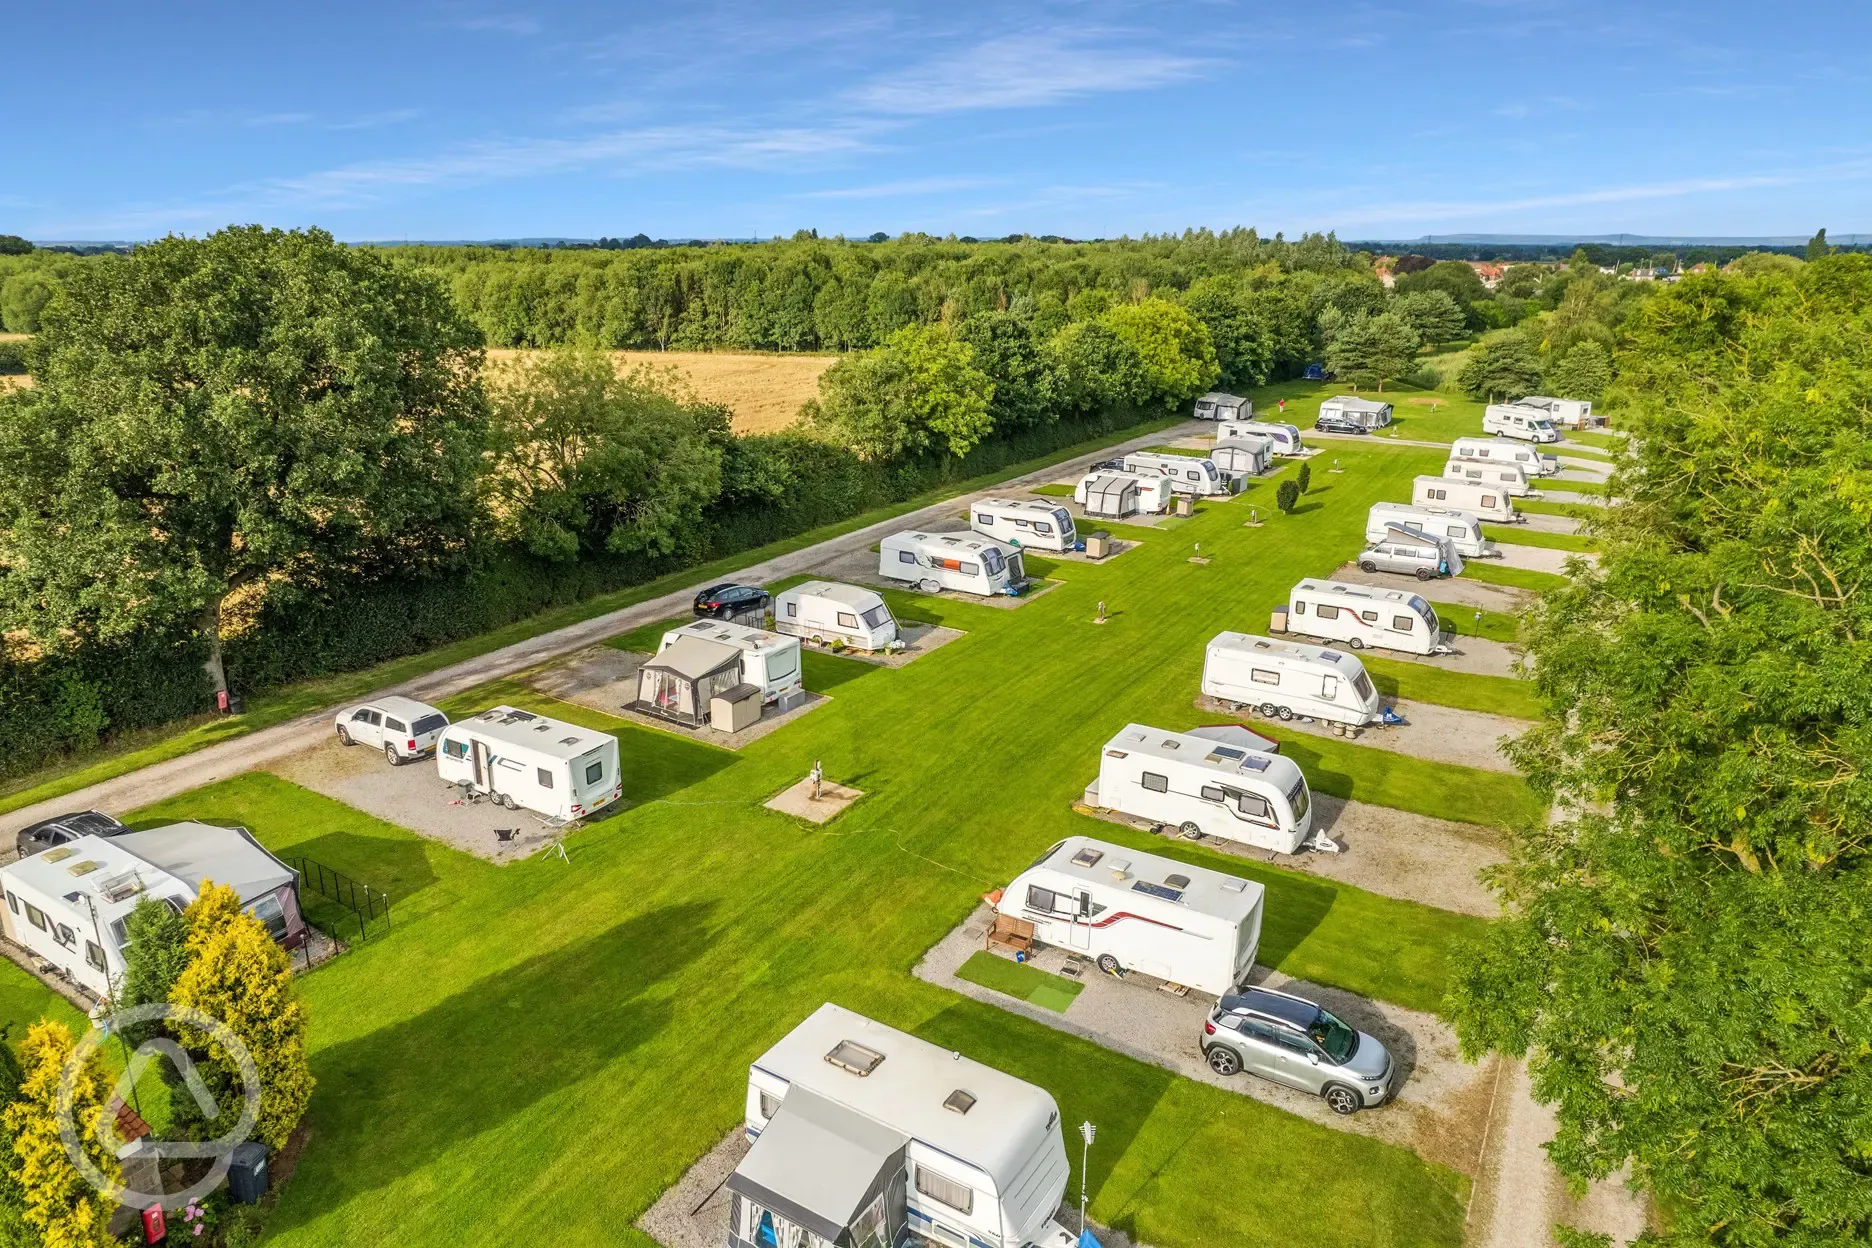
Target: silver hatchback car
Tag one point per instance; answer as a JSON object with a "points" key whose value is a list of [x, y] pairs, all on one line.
{"points": [[1425, 562], [1291, 1040]]}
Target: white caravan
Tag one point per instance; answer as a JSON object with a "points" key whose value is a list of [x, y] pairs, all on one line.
{"points": [[1207, 787], [1024, 522], [1188, 474], [864, 1135], [934, 562], [826, 611], [1463, 530], [1487, 502], [1243, 457], [1509, 477], [1138, 912], [1566, 413], [1289, 678], [1372, 413], [1285, 438], [1219, 406], [1505, 450], [1115, 495], [1529, 424], [768, 660], [519, 759], [1362, 615]]}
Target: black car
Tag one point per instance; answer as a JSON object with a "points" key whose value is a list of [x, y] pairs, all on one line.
{"points": [[61, 828], [728, 602], [1333, 422]]}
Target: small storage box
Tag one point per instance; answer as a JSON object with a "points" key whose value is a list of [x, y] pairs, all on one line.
{"points": [[1098, 545], [735, 708], [1278, 624]]}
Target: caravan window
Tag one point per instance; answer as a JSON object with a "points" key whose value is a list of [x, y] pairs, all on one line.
{"points": [[1256, 808], [876, 616], [36, 917], [1041, 526], [1326, 611], [1213, 793], [594, 772], [1362, 683], [545, 778], [1329, 687], [958, 1196], [1299, 608], [990, 557], [792, 610], [1298, 799], [1261, 676], [1439, 494], [847, 620], [968, 569], [94, 954], [1156, 783], [1457, 530], [1370, 617], [455, 749], [904, 556], [1402, 623], [769, 1105], [272, 916], [1488, 500], [12, 903], [982, 517]]}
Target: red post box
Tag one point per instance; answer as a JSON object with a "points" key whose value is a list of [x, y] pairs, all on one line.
{"points": [[154, 1228], [221, 701]]}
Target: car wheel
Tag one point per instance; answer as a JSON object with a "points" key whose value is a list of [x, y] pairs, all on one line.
{"points": [[1108, 964], [1424, 574], [1191, 832], [344, 738], [1286, 712], [1269, 710], [1356, 644], [391, 756], [1366, 565], [1224, 1061], [1341, 1099]]}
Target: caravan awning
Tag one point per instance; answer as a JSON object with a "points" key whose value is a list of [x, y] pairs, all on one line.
{"points": [[696, 658], [817, 1163]]}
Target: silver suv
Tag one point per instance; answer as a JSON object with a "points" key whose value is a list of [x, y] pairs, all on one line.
{"points": [[1290, 1040], [1423, 561]]}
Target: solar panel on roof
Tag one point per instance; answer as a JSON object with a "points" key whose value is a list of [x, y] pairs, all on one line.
{"points": [[1157, 890], [1255, 764]]}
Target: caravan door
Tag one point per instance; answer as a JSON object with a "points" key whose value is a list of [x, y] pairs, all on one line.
{"points": [[480, 756], [1079, 933]]}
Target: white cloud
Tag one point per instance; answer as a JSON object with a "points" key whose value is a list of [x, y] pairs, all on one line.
{"points": [[1022, 71], [908, 186]]}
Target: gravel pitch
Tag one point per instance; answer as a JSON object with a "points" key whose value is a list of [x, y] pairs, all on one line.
{"points": [[605, 679], [1439, 733], [1452, 589], [860, 567], [1539, 558]]}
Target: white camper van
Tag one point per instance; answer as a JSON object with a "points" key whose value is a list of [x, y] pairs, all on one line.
{"points": [[1487, 502], [1289, 678], [1024, 522], [934, 562], [769, 660], [1505, 450], [827, 610], [1463, 530], [1509, 477], [1566, 413], [1529, 424], [1207, 787], [1133, 911], [1284, 438], [1243, 457], [1188, 474], [1219, 406], [1362, 615], [520, 759], [866, 1135]]}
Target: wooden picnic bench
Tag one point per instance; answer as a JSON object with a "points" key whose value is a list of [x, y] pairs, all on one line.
{"points": [[1011, 933]]}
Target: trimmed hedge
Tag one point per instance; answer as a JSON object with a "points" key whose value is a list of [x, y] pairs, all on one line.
{"points": [[53, 705]]}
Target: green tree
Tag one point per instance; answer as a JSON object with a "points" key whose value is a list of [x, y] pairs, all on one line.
{"points": [[1303, 480], [23, 300], [1817, 248], [1433, 314], [14, 1230], [212, 413], [1683, 955], [153, 961], [1761, 263], [14, 245], [61, 1208], [1500, 368], [586, 460], [1095, 368], [1243, 340], [1581, 373], [1024, 382], [1287, 496], [1369, 350], [919, 390], [1453, 277], [1177, 359]]}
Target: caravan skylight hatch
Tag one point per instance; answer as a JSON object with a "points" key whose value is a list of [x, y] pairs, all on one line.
{"points": [[854, 1057]]}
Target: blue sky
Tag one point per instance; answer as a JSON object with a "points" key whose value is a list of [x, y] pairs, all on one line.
{"points": [[515, 119]]}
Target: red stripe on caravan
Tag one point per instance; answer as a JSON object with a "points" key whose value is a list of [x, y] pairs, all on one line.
{"points": [[1126, 914]]}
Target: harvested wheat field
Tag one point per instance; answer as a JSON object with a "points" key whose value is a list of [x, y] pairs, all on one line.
{"points": [[763, 391]]}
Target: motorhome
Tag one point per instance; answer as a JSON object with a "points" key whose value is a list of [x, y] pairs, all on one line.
{"points": [[1512, 478], [866, 1137], [1371, 413], [1219, 406], [1243, 457], [1024, 522], [1288, 678], [1284, 438], [964, 562], [1463, 530], [1132, 911], [1529, 424], [770, 660], [826, 611], [520, 758], [1486, 502], [1505, 450], [1206, 787], [1411, 552], [1188, 474], [1362, 615], [1565, 413]]}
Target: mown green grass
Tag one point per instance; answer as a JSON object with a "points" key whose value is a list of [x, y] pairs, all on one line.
{"points": [[1613, 442], [1020, 980], [1552, 507], [1515, 535], [1514, 578], [25, 1001], [1556, 485], [1054, 489], [556, 1028], [1419, 415], [1422, 682], [1475, 622], [1359, 772]]}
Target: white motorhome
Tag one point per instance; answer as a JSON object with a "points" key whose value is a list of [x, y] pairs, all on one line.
{"points": [[1219, 406], [519, 758], [1566, 413], [1363, 615], [769, 660], [1188, 474], [1243, 457], [1529, 424], [865, 1137], [1463, 530], [1372, 413], [1024, 522], [1283, 437], [1207, 787], [1128, 910], [1289, 678], [1511, 478], [827, 610], [1487, 502], [1505, 450], [934, 562]]}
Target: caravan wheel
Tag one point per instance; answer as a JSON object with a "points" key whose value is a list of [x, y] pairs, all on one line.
{"points": [[1356, 644], [1191, 832], [1108, 964], [930, 587], [1338, 730], [1286, 712], [506, 799], [1270, 710]]}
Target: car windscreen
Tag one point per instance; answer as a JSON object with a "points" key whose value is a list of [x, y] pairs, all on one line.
{"points": [[428, 724], [1339, 1040]]}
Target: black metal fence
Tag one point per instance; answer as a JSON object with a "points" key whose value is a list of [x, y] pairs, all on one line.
{"points": [[366, 905]]}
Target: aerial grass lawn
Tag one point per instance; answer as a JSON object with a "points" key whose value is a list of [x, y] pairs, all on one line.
{"points": [[1515, 578], [1612, 442], [1559, 485], [1020, 980], [1515, 535], [1418, 415], [1553, 507], [1469, 621], [1053, 489], [533, 1053], [25, 1001], [1423, 682]]}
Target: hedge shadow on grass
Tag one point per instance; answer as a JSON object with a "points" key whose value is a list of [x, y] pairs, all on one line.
{"points": [[397, 868]]}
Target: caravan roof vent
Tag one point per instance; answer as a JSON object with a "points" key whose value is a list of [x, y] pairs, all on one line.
{"points": [[1255, 763], [542, 727], [1177, 881], [1171, 743], [959, 1101], [85, 868], [1234, 885], [121, 887], [854, 1057], [60, 854], [1331, 656], [1087, 857], [568, 740], [520, 717]]}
